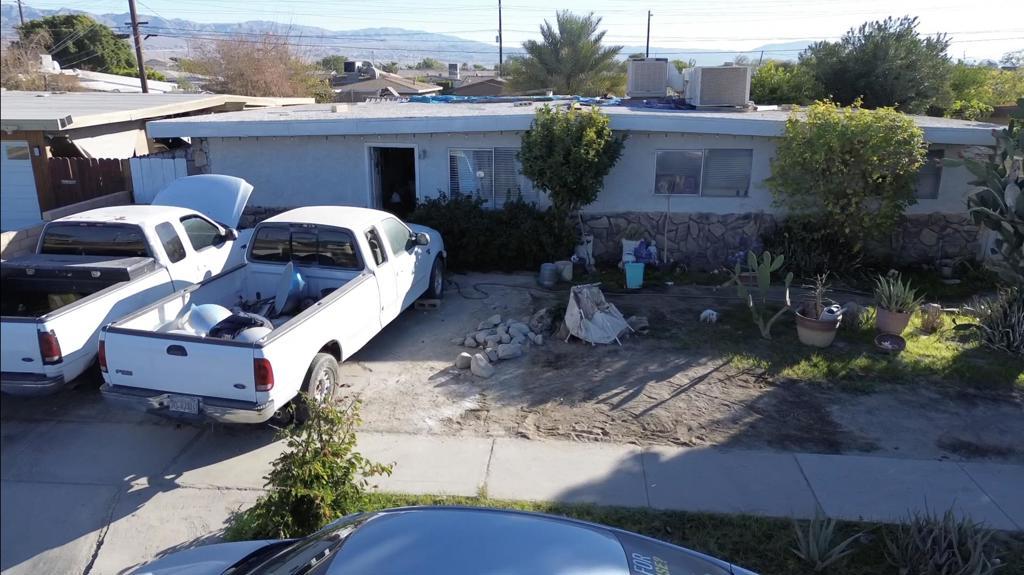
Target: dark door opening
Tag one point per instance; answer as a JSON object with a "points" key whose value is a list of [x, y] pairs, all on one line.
{"points": [[394, 179]]}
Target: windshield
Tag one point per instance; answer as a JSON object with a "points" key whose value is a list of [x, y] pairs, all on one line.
{"points": [[311, 552], [78, 239]]}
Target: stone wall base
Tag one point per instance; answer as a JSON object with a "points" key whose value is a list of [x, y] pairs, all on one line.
{"points": [[704, 241]]}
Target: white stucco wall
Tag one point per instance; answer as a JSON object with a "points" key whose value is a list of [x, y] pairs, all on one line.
{"points": [[311, 170]]}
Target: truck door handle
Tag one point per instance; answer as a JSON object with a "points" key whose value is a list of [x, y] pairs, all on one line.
{"points": [[177, 350]]}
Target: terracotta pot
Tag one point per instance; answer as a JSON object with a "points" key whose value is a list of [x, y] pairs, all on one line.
{"points": [[816, 332], [891, 322]]}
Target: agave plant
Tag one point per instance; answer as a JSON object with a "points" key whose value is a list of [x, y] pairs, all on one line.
{"points": [[929, 545], [997, 204], [999, 320], [816, 543], [892, 294]]}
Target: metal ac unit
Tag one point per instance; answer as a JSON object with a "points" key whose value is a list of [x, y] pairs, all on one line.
{"points": [[647, 78], [718, 85]]}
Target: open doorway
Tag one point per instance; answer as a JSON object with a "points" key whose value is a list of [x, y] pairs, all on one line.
{"points": [[393, 179]]}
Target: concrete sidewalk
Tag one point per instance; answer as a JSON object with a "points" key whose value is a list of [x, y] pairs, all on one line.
{"points": [[78, 494]]}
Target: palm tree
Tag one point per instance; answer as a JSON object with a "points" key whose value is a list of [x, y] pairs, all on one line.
{"points": [[569, 59]]}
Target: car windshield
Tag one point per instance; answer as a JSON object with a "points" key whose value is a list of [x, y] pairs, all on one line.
{"points": [[81, 239], [313, 551]]}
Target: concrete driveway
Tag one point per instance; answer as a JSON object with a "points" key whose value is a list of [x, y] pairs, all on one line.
{"points": [[90, 489]]}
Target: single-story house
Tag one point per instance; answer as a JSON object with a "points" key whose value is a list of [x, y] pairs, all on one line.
{"points": [[38, 128], [484, 86], [389, 85], [692, 180]]}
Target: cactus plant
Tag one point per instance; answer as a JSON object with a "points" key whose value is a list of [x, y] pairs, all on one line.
{"points": [[762, 269], [997, 204]]}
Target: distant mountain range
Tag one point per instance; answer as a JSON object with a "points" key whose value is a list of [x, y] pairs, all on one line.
{"points": [[171, 38]]}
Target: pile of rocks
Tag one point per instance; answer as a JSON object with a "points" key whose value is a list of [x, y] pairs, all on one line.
{"points": [[497, 339]]}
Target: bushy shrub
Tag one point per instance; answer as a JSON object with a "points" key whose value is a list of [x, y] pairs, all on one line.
{"points": [[519, 236], [318, 478], [813, 246]]}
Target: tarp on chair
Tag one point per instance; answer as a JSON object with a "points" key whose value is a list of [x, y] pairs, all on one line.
{"points": [[591, 318]]}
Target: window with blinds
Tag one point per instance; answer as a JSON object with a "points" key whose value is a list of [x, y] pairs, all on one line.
{"points": [[712, 172], [492, 174], [727, 172]]}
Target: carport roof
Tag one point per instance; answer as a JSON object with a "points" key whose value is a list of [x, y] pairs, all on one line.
{"points": [[370, 118], [56, 111]]}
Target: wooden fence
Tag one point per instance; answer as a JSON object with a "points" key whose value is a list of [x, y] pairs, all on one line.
{"points": [[74, 180]]}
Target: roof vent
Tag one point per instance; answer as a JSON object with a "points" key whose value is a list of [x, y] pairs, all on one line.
{"points": [[647, 78]]}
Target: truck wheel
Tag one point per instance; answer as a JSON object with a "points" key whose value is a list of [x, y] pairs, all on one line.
{"points": [[321, 385], [436, 289]]}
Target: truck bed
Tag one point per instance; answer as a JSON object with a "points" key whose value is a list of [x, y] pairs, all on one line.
{"points": [[36, 285]]}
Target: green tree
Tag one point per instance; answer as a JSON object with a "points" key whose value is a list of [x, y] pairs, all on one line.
{"points": [[783, 83], [684, 64], [883, 63], [976, 90], [334, 63], [429, 64], [78, 41], [569, 59], [855, 168], [390, 67], [567, 153]]}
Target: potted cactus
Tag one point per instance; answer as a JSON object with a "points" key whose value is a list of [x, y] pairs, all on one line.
{"points": [[895, 301], [817, 320]]}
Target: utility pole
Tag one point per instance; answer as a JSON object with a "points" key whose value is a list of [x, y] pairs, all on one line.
{"points": [[647, 50], [138, 46], [501, 56], [21, 15]]}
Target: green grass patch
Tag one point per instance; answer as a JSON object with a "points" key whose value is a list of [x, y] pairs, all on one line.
{"points": [[760, 544], [946, 356]]}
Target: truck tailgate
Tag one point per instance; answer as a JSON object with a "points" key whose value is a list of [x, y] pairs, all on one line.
{"points": [[180, 365], [20, 350]]}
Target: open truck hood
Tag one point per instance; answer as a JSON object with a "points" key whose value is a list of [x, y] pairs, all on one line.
{"points": [[220, 197]]}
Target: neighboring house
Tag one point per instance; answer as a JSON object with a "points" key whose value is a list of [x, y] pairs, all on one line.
{"points": [[492, 86], [691, 180], [389, 85], [45, 133], [100, 82]]}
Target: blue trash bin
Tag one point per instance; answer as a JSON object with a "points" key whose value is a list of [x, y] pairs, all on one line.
{"points": [[634, 275]]}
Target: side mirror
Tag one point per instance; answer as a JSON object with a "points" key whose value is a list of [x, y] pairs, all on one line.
{"points": [[422, 239], [231, 234]]}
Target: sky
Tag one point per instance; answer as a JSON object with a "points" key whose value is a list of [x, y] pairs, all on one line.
{"points": [[981, 29]]}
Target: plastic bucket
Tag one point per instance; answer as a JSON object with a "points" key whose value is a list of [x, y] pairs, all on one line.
{"points": [[634, 275], [548, 275]]}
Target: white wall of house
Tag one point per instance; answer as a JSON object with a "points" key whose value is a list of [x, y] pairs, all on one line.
{"points": [[19, 202], [311, 170]]}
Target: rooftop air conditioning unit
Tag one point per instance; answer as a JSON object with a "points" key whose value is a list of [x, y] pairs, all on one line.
{"points": [[718, 85], [453, 71], [647, 78]]}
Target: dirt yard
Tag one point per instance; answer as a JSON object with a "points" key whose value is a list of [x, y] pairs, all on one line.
{"points": [[650, 390]]}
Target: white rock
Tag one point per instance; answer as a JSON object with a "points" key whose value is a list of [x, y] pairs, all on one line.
{"points": [[510, 351], [490, 322], [537, 338], [519, 340], [469, 341], [492, 341], [463, 360], [492, 355], [505, 338], [481, 366]]}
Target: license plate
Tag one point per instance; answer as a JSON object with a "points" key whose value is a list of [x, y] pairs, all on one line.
{"points": [[184, 404]]}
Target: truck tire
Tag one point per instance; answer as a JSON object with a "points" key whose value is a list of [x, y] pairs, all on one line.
{"points": [[436, 289], [321, 385]]}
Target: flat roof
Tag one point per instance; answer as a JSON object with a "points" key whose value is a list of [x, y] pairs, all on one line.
{"points": [[56, 111], [370, 118]]}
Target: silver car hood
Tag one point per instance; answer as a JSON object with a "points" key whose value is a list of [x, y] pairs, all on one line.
{"points": [[205, 560]]}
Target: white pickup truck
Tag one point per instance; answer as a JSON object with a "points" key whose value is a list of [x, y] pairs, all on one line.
{"points": [[96, 266], [319, 282]]}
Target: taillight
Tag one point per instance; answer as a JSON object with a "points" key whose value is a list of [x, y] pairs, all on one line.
{"points": [[103, 356], [264, 374], [49, 347]]}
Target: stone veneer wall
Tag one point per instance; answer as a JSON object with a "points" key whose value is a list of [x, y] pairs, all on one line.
{"points": [[703, 241]]}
